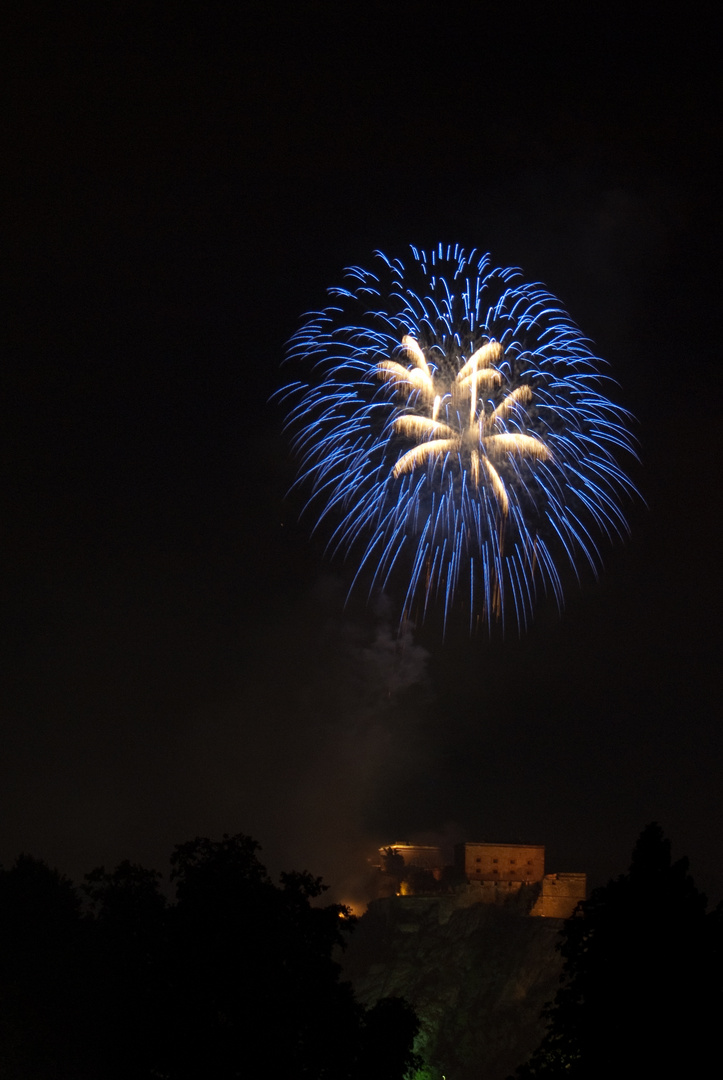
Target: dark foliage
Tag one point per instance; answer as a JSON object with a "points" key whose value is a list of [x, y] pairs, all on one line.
{"points": [[236, 977], [640, 994], [42, 994], [394, 867], [414, 880], [128, 961], [390, 1028]]}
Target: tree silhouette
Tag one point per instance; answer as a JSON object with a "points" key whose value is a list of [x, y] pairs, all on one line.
{"points": [[42, 986], [127, 968], [238, 976], [256, 977], [639, 987]]}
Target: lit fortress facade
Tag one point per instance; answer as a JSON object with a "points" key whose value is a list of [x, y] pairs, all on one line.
{"points": [[487, 873]]}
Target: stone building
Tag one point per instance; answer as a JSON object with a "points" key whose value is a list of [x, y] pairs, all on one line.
{"points": [[500, 869], [484, 873], [500, 862], [419, 856]]}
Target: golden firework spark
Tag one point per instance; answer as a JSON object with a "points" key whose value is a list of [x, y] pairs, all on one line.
{"points": [[473, 427]]}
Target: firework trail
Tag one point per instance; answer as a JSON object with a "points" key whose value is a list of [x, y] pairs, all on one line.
{"points": [[454, 432]]}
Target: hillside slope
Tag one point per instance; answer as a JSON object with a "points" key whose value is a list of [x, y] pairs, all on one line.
{"points": [[477, 974]]}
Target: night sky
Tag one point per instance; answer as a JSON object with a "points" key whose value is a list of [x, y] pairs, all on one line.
{"points": [[179, 187]]}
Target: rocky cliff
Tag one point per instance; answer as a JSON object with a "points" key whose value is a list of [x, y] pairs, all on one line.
{"points": [[478, 975]]}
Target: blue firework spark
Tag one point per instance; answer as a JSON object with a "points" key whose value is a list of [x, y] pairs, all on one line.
{"points": [[452, 427]]}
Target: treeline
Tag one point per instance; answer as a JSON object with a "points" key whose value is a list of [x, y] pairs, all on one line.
{"points": [[235, 977], [640, 993]]}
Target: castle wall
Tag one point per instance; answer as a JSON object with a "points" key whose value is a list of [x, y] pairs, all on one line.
{"points": [[501, 862], [560, 895], [495, 873]]}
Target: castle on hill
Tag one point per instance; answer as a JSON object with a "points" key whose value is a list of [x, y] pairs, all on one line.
{"points": [[483, 873]]}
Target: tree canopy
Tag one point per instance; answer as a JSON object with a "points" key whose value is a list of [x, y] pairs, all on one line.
{"points": [[237, 975], [640, 993]]}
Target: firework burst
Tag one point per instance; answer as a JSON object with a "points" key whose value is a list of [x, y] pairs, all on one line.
{"points": [[454, 434]]}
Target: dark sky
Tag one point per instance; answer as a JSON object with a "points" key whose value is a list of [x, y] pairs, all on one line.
{"points": [[179, 186]]}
